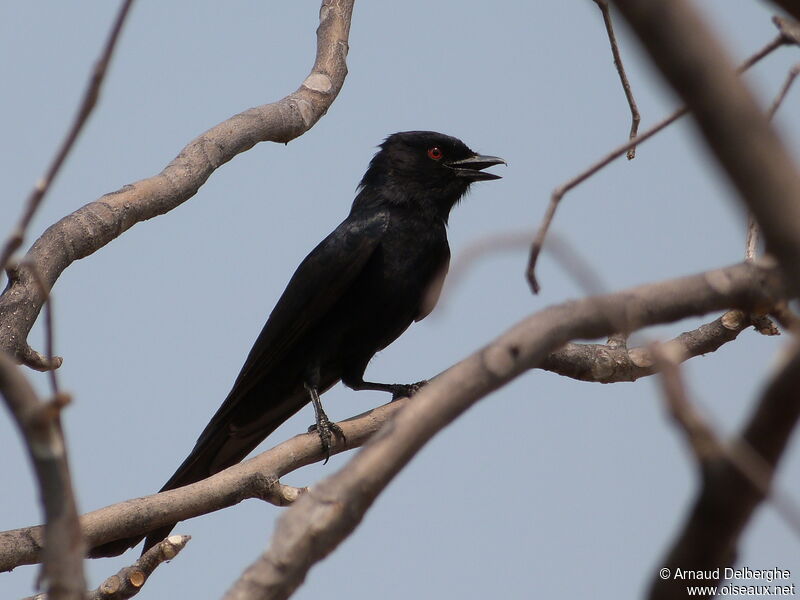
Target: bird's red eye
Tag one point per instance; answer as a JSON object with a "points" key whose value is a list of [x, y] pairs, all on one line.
{"points": [[435, 153]]}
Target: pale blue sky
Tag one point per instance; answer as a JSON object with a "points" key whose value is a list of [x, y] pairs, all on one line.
{"points": [[548, 488]]}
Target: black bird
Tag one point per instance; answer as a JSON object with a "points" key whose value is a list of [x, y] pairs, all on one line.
{"points": [[380, 270]]}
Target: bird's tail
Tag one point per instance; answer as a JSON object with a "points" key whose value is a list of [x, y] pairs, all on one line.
{"points": [[196, 467], [216, 449]]}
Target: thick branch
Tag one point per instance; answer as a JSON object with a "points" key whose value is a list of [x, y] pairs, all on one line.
{"points": [[790, 6], [728, 498], [331, 510], [61, 543], [94, 225], [766, 178], [254, 478]]}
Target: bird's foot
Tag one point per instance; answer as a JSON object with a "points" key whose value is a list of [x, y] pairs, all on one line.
{"points": [[326, 429], [406, 390]]}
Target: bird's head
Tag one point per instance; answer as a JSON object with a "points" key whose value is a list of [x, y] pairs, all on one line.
{"points": [[426, 167]]}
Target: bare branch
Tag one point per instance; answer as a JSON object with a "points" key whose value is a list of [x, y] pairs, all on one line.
{"points": [[626, 86], [62, 555], [560, 191], [91, 227], [88, 103], [790, 7], [747, 286], [751, 244], [763, 323], [258, 478], [129, 580], [579, 269], [53, 361], [506, 241], [729, 496], [688, 54], [612, 363], [322, 518], [700, 436], [707, 446], [790, 77], [762, 170], [61, 545]]}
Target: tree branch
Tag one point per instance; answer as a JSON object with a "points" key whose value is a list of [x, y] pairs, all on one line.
{"points": [[728, 498], [707, 446], [91, 227], [623, 77], [735, 128], [751, 243], [555, 198], [129, 580], [331, 510], [761, 169], [749, 286], [258, 478], [790, 6], [61, 544], [612, 363]]}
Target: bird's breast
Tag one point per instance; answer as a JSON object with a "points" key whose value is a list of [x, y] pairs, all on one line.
{"points": [[430, 295], [413, 260]]}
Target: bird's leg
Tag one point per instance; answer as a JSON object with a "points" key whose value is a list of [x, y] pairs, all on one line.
{"points": [[324, 427], [397, 390]]}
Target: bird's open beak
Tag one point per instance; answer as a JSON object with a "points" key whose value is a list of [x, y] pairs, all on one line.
{"points": [[471, 167]]}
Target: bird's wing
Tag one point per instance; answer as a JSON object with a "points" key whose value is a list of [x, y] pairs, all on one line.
{"points": [[317, 284], [320, 280]]}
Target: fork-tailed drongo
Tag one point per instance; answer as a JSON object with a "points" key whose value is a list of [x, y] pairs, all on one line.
{"points": [[380, 270]]}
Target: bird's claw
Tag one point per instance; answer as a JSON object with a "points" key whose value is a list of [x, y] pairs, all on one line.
{"points": [[406, 390], [326, 429]]}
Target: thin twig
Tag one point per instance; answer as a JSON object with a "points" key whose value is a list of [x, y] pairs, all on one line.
{"points": [[584, 275], [626, 86], [129, 580], [699, 435], [53, 361], [559, 192], [751, 244], [763, 323], [464, 261], [88, 103], [707, 446], [790, 77], [614, 361], [665, 358]]}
